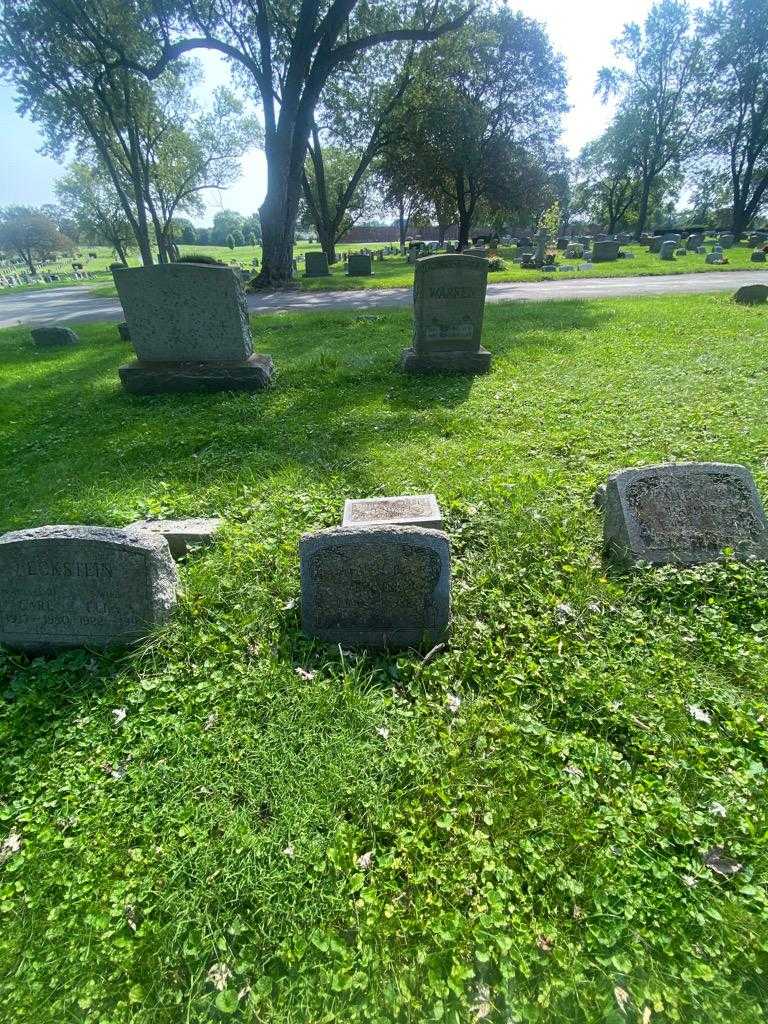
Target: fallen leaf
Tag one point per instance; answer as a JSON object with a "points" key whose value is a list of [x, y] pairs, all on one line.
{"points": [[717, 809], [302, 673], [289, 604], [119, 714], [622, 997], [716, 860], [699, 714], [130, 917], [10, 845], [646, 1015], [574, 770], [690, 881], [454, 703], [365, 860], [219, 975], [481, 1005], [383, 731], [544, 944], [211, 721], [289, 850]]}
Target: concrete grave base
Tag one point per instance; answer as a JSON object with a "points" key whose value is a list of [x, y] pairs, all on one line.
{"points": [[181, 534], [446, 362], [144, 378]]}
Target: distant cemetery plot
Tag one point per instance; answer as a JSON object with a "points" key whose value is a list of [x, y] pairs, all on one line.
{"points": [[188, 324], [73, 586], [448, 308], [683, 514]]}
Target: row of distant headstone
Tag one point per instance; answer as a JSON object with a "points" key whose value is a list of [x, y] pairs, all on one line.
{"points": [[359, 264], [11, 275], [382, 579]]}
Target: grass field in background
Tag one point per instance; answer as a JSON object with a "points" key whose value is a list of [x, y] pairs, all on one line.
{"points": [[395, 272], [537, 800]]}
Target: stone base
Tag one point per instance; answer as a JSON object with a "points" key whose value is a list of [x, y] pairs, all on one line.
{"points": [[144, 378], [446, 362]]}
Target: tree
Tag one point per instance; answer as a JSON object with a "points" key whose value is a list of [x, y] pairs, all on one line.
{"points": [[659, 92], [31, 234], [354, 123], [734, 37], [608, 181], [225, 223], [157, 148], [187, 234], [253, 224], [483, 116], [287, 50], [231, 240], [238, 238], [203, 236], [89, 195], [249, 238]]}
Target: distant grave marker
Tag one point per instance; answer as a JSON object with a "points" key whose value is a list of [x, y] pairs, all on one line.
{"points": [[403, 510], [316, 264], [359, 265]]}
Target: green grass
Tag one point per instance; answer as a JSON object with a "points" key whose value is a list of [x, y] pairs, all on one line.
{"points": [[538, 852]]}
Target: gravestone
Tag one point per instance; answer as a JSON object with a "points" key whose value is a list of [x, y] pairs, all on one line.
{"points": [[403, 510], [359, 265], [448, 308], [693, 243], [655, 244], [189, 327], [713, 258], [181, 534], [316, 264], [605, 251], [542, 238], [683, 513], [758, 256], [574, 251], [726, 241], [667, 251], [752, 295], [51, 337], [73, 586], [377, 586]]}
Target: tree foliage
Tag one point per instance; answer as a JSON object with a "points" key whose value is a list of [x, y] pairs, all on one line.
{"points": [[31, 234]]}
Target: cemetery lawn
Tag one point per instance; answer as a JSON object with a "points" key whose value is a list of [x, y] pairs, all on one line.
{"points": [[534, 803]]}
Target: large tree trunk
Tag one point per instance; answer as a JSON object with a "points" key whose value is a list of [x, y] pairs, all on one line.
{"points": [[326, 234], [402, 223], [278, 214], [642, 211]]}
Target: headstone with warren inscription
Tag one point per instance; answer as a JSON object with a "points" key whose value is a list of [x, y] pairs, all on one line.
{"points": [[683, 513], [376, 586], [74, 586], [448, 308], [188, 324], [401, 510]]}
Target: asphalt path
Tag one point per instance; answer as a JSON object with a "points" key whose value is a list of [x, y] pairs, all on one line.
{"points": [[78, 305]]}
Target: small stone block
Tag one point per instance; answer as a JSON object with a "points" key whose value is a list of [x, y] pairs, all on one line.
{"points": [[143, 378], [752, 295], [124, 331], [49, 337], [683, 513], [379, 586], [181, 534], [403, 510], [75, 586], [446, 362]]}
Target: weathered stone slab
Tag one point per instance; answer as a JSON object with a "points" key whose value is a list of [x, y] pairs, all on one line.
{"points": [[74, 586], [448, 309], [382, 586], [359, 265], [758, 256], [403, 510], [142, 378], [683, 513], [185, 312], [605, 251], [752, 295], [181, 534], [667, 250], [124, 331], [50, 337], [315, 264]]}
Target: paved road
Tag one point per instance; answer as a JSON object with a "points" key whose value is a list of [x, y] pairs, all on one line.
{"points": [[77, 305]]}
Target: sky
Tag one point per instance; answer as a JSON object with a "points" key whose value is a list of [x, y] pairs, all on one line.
{"points": [[581, 30]]}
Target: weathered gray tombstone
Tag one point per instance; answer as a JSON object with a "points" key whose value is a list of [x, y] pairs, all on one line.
{"points": [[542, 239], [448, 309], [683, 513], [377, 586], [605, 251], [726, 241], [359, 265], [693, 242], [316, 264], [752, 295], [655, 244], [402, 510], [74, 586], [713, 258], [758, 256], [574, 251], [51, 337], [189, 327], [667, 251], [181, 534]]}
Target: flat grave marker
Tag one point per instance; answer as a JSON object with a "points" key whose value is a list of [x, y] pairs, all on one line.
{"points": [[402, 510]]}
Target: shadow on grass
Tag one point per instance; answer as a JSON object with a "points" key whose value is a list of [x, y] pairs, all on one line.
{"points": [[340, 394]]}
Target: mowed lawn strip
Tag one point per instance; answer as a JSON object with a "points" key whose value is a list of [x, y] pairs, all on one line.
{"points": [[513, 830]]}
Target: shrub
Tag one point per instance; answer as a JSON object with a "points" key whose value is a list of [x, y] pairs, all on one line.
{"points": [[198, 257], [495, 263]]}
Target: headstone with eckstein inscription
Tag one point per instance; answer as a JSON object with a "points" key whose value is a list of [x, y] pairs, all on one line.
{"points": [[188, 324], [683, 513], [376, 586], [75, 586], [448, 308]]}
